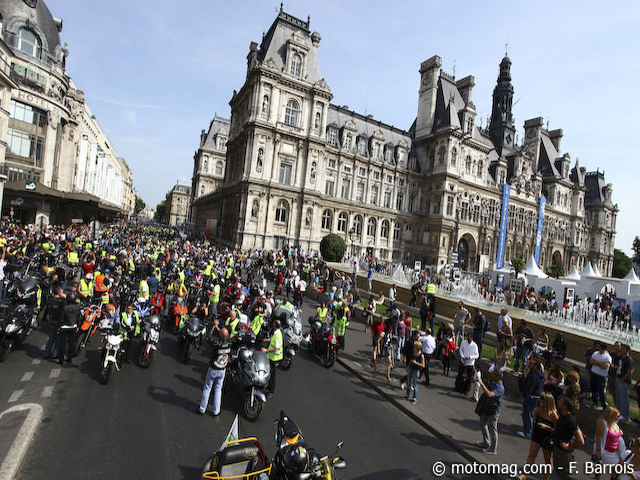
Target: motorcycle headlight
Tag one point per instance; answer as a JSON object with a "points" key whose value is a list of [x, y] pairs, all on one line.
{"points": [[333, 340], [11, 327]]}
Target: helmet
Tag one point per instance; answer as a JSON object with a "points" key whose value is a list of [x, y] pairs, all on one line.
{"points": [[295, 458], [89, 276], [155, 321]]}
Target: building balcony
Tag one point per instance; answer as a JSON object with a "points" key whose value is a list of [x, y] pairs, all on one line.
{"points": [[23, 79]]}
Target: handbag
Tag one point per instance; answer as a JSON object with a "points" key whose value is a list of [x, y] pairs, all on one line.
{"points": [[486, 407], [548, 442]]}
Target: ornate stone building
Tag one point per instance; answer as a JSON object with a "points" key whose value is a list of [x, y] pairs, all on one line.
{"points": [[53, 138], [177, 205], [299, 167]]}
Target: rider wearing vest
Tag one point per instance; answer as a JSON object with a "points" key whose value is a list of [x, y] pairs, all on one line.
{"points": [[232, 322], [431, 289], [275, 354], [85, 287], [132, 266], [341, 323], [158, 273], [322, 311], [214, 298], [256, 324], [143, 288], [72, 258], [129, 328], [227, 273]]}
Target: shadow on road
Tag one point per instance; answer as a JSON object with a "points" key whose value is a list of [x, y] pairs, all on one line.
{"points": [[190, 473]]}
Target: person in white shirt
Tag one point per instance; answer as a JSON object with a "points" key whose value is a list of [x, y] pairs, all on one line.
{"points": [[468, 354], [600, 362], [475, 388], [392, 296], [503, 318], [428, 347]]}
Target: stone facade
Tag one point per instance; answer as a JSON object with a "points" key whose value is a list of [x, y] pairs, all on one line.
{"points": [[299, 167], [177, 205], [53, 137], [6, 85]]}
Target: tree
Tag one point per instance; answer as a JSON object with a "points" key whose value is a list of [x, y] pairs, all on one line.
{"points": [[160, 211], [139, 205], [556, 270], [636, 250], [332, 248], [621, 263], [518, 265]]}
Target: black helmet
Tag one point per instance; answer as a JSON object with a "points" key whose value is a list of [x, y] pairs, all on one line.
{"points": [[295, 458]]}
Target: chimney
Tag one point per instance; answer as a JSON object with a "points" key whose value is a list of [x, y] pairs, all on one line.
{"points": [[532, 133], [556, 136], [465, 86], [427, 95]]}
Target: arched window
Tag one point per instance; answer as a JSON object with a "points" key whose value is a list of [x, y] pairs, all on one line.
{"points": [[347, 141], [357, 224], [296, 65], [219, 168], [282, 211], [396, 231], [454, 156], [371, 227], [384, 229], [326, 220], [291, 113], [342, 222], [480, 168], [468, 164], [441, 155], [29, 43]]}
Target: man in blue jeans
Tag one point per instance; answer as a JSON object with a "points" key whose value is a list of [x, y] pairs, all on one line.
{"points": [[524, 338], [221, 345], [600, 362], [626, 368], [531, 386]]}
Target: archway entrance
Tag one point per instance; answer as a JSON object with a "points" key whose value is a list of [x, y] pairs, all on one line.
{"points": [[467, 253]]}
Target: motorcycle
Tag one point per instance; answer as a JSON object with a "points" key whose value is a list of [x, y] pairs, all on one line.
{"points": [[190, 332], [19, 314], [250, 370], [91, 317], [150, 337], [322, 342], [295, 460], [111, 352], [177, 312], [292, 334]]}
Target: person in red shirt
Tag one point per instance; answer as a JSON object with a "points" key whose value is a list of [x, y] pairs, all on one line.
{"points": [[377, 327]]}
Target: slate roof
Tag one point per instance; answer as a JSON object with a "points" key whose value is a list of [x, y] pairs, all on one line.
{"points": [[274, 44], [548, 156], [217, 124], [40, 16], [595, 183]]}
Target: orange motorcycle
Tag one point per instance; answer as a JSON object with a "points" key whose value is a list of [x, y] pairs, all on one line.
{"points": [[90, 317]]}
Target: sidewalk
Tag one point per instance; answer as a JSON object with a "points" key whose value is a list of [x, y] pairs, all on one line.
{"points": [[445, 412]]}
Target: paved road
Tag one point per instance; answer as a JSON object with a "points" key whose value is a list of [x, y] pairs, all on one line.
{"points": [[143, 423]]}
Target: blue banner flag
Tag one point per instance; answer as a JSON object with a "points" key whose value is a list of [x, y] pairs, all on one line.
{"points": [[542, 201], [506, 194]]}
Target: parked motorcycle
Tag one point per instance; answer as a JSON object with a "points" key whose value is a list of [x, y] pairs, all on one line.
{"points": [[19, 313], [111, 357], [295, 460], [322, 342], [250, 371], [190, 333], [91, 317], [150, 337]]}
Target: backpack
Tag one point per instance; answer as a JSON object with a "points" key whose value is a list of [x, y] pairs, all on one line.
{"points": [[487, 326]]}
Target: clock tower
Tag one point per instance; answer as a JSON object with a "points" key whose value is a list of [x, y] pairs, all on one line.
{"points": [[501, 129]]}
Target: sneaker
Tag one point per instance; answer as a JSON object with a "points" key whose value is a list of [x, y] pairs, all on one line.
{"points": [[403, 385], [482, 445], [488, 451], [414, 401], [523, 435], [198, 411]]}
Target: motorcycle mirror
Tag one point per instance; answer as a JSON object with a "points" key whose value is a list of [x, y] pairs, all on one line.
{"points": [[340, 445]]}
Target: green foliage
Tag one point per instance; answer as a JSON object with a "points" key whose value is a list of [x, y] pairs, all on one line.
{"points": [[139, 206], [517, 264], [621, 263], [636, 250], [160, 211], [332, 248], [556, 270]]}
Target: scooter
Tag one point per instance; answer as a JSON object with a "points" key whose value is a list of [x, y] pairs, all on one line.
{"points": [[322, 342], [250, 371], [150, 337], [190, 332], [111, 352]]}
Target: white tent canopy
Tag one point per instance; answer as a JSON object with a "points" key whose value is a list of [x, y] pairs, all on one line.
{"points": [[632, 277], [596, 272], [588, 271], [574, 275], [532, 269]]}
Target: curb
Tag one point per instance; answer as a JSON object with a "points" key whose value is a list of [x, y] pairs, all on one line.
{"points": [[436, 431], [13, 459]]}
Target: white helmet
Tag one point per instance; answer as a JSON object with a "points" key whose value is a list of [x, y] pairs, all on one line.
{"points": [[89, 276]]}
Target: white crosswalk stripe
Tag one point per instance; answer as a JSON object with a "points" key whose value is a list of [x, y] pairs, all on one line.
{"points": [[27, 376], [15, 396], [55, 373], [36, 361], [47, 391]]}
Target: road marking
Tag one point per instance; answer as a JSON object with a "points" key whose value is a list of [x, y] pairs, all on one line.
{"points": [[36, 361], [55, 373], [46, 392], [27, 376], [15, 396], [16, 453]]}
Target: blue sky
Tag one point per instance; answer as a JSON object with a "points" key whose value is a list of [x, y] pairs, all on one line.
{"points": [[155, 72]]}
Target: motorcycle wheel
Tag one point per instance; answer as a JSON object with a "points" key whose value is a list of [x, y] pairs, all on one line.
{"points": [[310, 346], [5, 348], [252, 413], [145, 360], [287, 361], [329, 359], [79, 346], [186, 355], [105, 373]]}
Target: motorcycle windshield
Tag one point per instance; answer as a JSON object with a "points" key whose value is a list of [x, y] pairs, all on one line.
{"points": [[262, 361]]}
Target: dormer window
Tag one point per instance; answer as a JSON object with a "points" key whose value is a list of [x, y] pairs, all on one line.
{"points": [[332, 137], [376, 150], [347, 141], [29, 43], [388, 155], [222, 143], [362, 146], [296, 65]]}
